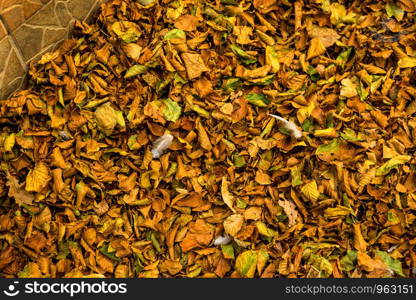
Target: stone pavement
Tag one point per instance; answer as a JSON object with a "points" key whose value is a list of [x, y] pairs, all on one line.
{"points": [[30, 28]]}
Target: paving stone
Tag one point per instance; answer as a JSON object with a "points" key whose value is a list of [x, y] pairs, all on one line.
{"points": [[13, 16], [5, 49], [51, 36], [11, 87], [37, 26], [29, 40], [30, 7], [8, 3], [45, 16], [14, 67], [62, 12], [13, 74], [80, 8]]}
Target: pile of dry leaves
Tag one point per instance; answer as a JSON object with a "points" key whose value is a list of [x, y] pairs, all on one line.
{"points": [[222, 138]]}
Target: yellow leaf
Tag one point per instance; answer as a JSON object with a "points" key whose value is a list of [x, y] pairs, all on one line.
{"points": [[233, 223], [264, 230], [338, 211], [327, 36], [262, 178], [126, 31], [203, 136], [9, 142], [272, 58], [106, 118], [310, 190], [359, 243], [132, 50], [305, 111], [316, 48], [328, 132], [407, 62], [38, 178], [348, 88], [194, 65], [226, 195], [246, 263]]}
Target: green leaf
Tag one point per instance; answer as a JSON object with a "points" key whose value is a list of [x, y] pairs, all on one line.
{"points": [[394, 264], [376, 81], [63, 250], [175, 34], [178, 79], [392, 218], [258, 99], [262, 258], [135, 70], [243, 55], [307, 125], [342, 58], [200, 111], [349, 261], [361, 91], [132, 142], [322, 264], [295, 173], [246, 263], [266, 80], [313, 73], [392, 163], [240, 203], [239, 161], [331, 147], [350, 135], [228, 251], [195, 270], [264, 230], [231, 84], [110, 255], [393, 10], [172, 110]]}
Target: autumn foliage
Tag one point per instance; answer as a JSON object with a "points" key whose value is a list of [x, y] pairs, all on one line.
{"points": [[265, 138]]}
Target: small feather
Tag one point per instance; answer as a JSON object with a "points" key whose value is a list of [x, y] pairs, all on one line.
{"points": [[161, 144], [222, 240], [289, 126]]}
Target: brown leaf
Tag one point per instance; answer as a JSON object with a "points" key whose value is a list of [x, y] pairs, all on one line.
{"points": [[194, 65], [20, 195]]}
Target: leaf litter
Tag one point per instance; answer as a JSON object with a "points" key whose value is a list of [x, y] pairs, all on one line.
{"points": [[216, 139]]}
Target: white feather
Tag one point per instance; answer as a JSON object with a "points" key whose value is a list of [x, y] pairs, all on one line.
{"points": [[289, 126], [222, 240], [161, 144]]}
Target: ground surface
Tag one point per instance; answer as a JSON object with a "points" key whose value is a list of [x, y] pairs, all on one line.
{"points": [[144, 145]]}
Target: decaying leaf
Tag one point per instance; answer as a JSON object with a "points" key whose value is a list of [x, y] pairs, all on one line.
{"points": [[220, 139]]}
